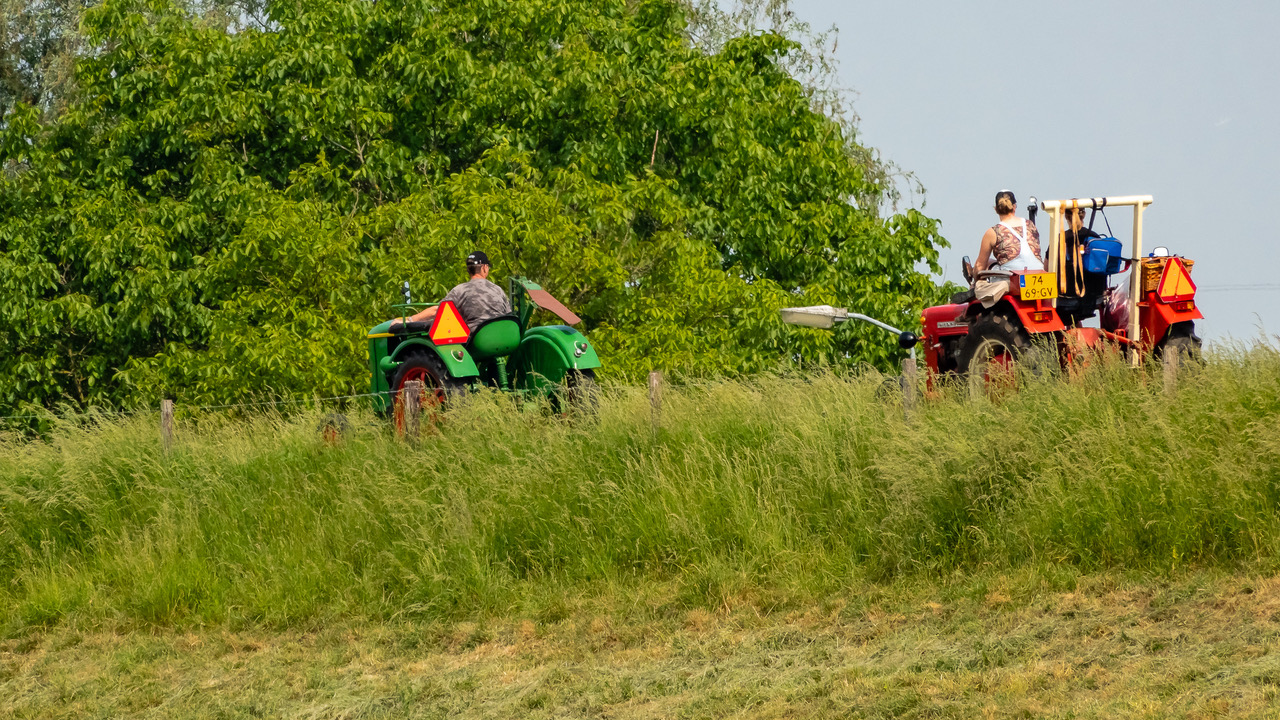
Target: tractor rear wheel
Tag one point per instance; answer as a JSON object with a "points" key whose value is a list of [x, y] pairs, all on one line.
{"points": [[992, 352], [438, 388], [1182, 341], [579, 396]]}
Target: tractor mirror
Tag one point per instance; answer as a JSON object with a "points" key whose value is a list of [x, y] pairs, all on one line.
{"points": [[907, 340], [966, 267], [814, 316]]}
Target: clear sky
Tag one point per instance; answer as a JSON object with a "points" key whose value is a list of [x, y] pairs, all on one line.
{"points": [[1178, 99]]}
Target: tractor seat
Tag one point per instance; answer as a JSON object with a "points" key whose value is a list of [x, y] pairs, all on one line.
{"points": [[992, 274], [495, 337]]}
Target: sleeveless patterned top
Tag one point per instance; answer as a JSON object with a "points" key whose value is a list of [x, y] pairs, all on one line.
{"points": [[1007, 246]]}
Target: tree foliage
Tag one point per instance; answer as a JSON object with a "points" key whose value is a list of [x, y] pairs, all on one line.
{"points": [[221, 214], [40, 41]]}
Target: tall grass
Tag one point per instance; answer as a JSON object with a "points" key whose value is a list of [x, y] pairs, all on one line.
{"points": [[782, 488]]}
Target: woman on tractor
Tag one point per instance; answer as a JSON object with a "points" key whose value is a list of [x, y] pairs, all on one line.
{"points": [[1079, 291], [1014, 242]]}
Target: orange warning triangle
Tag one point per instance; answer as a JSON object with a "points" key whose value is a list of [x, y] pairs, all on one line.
{"points": [[1175, 283], [449, 328]]}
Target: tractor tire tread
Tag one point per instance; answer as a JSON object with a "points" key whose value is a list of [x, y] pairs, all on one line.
{"points": [[1181, 339], [993, 324], [452, 386]]}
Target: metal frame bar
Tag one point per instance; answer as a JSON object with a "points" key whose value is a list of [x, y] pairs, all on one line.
{"points": [[1139, 204]]}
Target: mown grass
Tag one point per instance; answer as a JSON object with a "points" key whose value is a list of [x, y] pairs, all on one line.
{"points": [[774, 494], [996, 645]]}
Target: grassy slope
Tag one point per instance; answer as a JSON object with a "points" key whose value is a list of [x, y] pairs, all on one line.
{"points": [[770, 500], [1004, 646]]}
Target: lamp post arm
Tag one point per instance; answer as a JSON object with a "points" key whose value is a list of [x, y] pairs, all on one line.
{"points": [[877, 323], [890, 328], [825, 317]]}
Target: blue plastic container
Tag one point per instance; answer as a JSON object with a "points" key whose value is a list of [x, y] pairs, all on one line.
{"points": [[1104, 256]]}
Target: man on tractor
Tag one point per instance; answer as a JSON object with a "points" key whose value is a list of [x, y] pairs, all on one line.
{"points": [[478, 299]]}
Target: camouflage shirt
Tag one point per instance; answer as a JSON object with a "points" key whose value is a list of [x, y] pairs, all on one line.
{"points": [[1007, 246], [478, 300]]}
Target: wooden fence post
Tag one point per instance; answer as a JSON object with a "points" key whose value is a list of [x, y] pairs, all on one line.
{"points": [[908, 387], [166, 424], [1170, 372], [412, 400], [655, 399]]}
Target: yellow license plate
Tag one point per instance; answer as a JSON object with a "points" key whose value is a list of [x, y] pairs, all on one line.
{"points": [[1038, 286]]}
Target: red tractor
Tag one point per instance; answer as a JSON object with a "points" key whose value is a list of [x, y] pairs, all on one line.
{"points": [[1037, 317], [1156, 317]]}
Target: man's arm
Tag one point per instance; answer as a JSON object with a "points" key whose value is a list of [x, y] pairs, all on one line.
{"points": [[425, 315], [429, 314]]}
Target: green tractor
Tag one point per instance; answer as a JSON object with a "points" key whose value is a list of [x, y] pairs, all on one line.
{"points": [[552, 361]]}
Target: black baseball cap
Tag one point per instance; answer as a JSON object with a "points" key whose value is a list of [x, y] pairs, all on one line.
{"points": [[478, 258], [1009, 194]]}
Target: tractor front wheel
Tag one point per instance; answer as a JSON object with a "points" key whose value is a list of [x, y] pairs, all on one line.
{"points": [[438, 388]]}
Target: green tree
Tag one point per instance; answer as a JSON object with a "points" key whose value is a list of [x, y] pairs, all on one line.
{"points": [[38, 46], [221, 214], [40, 41]]}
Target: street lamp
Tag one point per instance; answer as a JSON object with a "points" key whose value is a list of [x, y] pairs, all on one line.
{"points": [[825, 317]]}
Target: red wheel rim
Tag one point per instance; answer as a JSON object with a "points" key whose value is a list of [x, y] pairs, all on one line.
{"points": [[998, 367], [998, 373], [431, 399]]}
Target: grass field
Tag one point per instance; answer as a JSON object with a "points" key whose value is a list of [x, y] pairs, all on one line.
{"points": [[1087, 547], [1005, 646]]}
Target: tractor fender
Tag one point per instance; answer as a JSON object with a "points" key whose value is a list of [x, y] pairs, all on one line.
{"points": [[550, 351], [1023, 310], [456, 359], [576, 351], [1157, 317]]}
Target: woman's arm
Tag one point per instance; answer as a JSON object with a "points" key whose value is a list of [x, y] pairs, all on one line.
{"points": [[984, 252]]}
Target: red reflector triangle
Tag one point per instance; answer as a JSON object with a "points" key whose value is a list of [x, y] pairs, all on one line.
{"points": [[449, 328], [1175, 283]]}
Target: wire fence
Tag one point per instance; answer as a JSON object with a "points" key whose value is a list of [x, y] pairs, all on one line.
{"points": [[675, 382], [299, 400]]}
